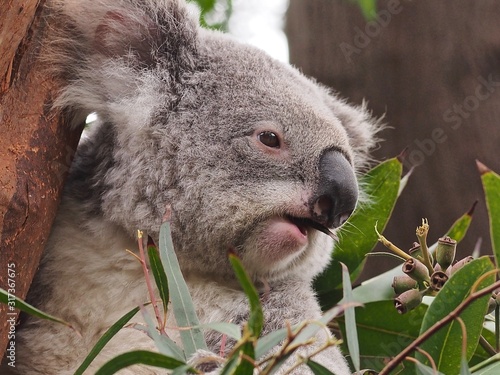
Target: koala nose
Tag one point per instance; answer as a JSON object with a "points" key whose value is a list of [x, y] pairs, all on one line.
{"points": [[337, 193]]}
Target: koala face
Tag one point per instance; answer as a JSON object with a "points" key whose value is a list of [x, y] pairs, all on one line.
{"points": [[250, 155], [266, 163]]}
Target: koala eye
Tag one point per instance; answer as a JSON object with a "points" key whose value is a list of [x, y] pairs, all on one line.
{"points": [[269, 139]]}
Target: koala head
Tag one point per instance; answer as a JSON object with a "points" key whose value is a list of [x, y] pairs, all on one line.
{"points": [[250, 155]]}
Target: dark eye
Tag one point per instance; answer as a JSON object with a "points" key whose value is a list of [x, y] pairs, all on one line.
{"points": [[269, 139]]}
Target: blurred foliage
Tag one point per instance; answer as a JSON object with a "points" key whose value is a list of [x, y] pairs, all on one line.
{"points": [[214, 14]]}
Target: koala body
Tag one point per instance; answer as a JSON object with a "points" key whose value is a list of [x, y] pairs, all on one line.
{"points": [[248, 153]]}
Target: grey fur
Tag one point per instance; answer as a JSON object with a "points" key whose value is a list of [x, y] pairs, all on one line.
{"points": [[180, 108]]}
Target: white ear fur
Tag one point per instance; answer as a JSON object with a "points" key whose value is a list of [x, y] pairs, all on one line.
{"points": [[119, 56]]}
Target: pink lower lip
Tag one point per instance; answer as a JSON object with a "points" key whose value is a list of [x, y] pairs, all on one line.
{"points": [[285, 229]]}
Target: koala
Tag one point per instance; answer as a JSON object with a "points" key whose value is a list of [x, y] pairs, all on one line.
{"points": [[247, 153]]}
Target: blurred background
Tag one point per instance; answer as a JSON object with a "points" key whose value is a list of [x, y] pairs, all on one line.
{"points": [[431, 68]]}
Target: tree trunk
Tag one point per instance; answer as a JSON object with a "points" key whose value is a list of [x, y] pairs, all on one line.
{"points": [[433, 68], [35, 152]]}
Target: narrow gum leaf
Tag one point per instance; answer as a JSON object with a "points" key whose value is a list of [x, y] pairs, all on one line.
{"points": [[19, 304], [491, 187], [139, 357], [256, 318], [182, 303], [350, 320], [318, 369], [383, 333], [108, 335], [159, 274]]}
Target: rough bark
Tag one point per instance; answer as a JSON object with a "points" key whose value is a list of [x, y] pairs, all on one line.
{"points": [[424, 65], [35, 150]]}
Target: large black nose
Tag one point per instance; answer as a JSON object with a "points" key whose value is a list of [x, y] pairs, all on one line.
{"points": [[337, 192]]}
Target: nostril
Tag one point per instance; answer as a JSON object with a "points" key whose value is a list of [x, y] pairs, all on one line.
{"points": [[323, 207]]}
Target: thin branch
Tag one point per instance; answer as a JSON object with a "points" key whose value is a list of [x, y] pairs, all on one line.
{"points": [[436, 327]]}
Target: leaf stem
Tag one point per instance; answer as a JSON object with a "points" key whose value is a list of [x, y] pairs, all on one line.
{"points": [[388, 244]]}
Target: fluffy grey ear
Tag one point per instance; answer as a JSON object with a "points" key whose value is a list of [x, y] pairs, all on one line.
{"points": [[121, 52]]}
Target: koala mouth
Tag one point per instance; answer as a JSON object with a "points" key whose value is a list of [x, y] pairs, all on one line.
{"points": [[305, 224]]}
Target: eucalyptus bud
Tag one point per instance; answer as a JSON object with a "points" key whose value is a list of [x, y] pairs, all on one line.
{"points": [[460, 264], [416, 270], [438, 279], [403, 283], [445, 251], [416, 251], [408, 301]]}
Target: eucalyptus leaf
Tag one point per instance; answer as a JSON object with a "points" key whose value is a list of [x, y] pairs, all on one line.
{"points": [[318, 369], [426, 370], [269, 341], [491, 186], [159, 275], [182, 304], [350, 320], [108, 335], [14, 303], [256, 318], [164, 344], [383, 333], [357, 237], [444, 346], [139, 357], [229, 329]]}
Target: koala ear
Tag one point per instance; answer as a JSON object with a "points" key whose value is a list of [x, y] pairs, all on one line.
{"points": [[121, 51]]}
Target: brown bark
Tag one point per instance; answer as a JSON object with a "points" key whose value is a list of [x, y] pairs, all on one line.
{"points": [[35, 149], [424, 65]]}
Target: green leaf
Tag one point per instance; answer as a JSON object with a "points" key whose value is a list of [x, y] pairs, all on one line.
{"points": [[158, 271], [256, 318], [491, 366], [350, 320], [491, 186], [461, 226], [14, 303], [245, 367], [269, 341], [318, 369], [445, 345], [229, 329], [464, 366], [182, 304], [165, 344], [139, 357], [426, 370], [357, 236], [383, 333], [108, 335], [368, 8]]}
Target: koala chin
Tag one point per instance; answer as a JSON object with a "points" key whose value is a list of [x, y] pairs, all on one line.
{"points": [[250, 156]]}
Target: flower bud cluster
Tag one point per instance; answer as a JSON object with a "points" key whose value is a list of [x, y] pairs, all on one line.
{"points": [[423, 273]]}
